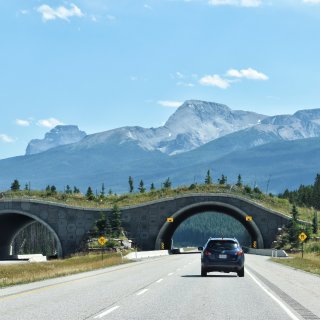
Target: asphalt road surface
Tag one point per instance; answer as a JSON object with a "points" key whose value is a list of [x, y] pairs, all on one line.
{"points": [[169, 288]]}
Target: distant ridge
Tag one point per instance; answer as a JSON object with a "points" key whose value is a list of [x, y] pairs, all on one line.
{"points": [[198, 136]]}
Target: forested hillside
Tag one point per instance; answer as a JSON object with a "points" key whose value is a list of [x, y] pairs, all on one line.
{"points": [[196, 230]]}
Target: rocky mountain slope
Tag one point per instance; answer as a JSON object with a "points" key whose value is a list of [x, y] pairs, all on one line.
{"points": [[58, 136], [197, 137]]}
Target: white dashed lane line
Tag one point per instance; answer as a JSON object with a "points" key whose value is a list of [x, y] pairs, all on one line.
{"points": [[160, 280], [170, 274], [142, 292], [101, 315]]}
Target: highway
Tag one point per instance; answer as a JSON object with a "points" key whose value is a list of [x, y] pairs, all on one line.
{"points": [[167, 288]]}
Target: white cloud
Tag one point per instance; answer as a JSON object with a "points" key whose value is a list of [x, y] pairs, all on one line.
{"points": [[241, 3], [5, 138], [49, 13], [215, 81], [23, 123], [185, 84], [24, 12], [146, 6], [312, 1], [110, 17], [172, 104], [49, 123], [247, 73]]}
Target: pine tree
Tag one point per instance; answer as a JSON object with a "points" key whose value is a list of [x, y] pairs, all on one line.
{"points": [[152, 187], [223, 179], [53, 189], [130, 184], [239, 181], [116, 221], [26, 187], [15, 186], [76, 190], [315, 224], [294, 228], [141, 188], [316, 193], [295, 213], [101, 224], [208, 179], [89, 194], [68, 189], [102, 193], [167, 184]]}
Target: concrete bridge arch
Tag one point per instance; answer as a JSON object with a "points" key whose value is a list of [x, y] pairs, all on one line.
{"points": [[166, 232], [12, 222], [145, 224]]}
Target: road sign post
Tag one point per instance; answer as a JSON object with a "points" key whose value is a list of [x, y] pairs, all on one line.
{"points": [[302, 237], [102, 241]]}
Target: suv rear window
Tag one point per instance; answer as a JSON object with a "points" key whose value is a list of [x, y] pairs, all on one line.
{"points": [[222, 244]]}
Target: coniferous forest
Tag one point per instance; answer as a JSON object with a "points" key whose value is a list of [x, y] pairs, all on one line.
{"points": [[196, 230]]}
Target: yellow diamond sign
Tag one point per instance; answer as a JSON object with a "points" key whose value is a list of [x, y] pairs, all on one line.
{"points": [[248, 218], [102, 241], [170, 219], [302, 236]]}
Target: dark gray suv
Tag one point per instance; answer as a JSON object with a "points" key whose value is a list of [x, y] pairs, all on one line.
{"points": [[222, 254]]}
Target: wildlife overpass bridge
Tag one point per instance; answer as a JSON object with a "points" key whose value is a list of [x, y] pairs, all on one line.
{"points": [[146, 224]]}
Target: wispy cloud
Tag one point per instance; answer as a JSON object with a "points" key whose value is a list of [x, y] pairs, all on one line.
{"points": [[48, 13], [171, 104], [5, 138], [111, 18], [24, 11], [312, 1], [147, 6], [23, 123], [241, 3], [49, 123], [247, 74], [185, 84], [215, 81]]}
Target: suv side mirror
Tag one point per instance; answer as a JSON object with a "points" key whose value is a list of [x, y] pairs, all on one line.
{"points": [[200, 248]]}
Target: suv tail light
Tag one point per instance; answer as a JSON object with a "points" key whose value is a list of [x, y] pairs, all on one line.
{"points": [[207, 253], [239, 253]]}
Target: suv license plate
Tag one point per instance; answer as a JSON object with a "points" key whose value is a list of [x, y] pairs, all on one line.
{"points": [[222, 256]]}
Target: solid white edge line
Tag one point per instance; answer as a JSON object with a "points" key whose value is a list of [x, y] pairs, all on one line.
{"points": [[280, 303], [142, 292], [158, 281], [101, 315]]}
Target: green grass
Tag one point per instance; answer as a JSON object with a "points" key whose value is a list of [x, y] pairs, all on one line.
{"points": [[310, 262], [79, 200], [28, 272]]}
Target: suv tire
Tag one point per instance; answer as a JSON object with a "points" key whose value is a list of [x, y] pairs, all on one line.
{"points": [[241, 272], [203, 273]]}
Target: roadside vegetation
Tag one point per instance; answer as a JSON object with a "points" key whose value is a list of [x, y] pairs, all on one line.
{"points": [[107, 199], [310, 261], [29, 272]]}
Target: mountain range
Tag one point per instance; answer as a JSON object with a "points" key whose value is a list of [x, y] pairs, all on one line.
{"points": [[275, 153]]}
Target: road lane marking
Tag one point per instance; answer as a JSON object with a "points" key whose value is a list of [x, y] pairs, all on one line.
{"points": [[178, 269], [170, 274], [158, 281], [142, 292], [101, 315], [280, 303]]}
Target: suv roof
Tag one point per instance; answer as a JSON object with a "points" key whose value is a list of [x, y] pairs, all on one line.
{"points": [[222, 238]]}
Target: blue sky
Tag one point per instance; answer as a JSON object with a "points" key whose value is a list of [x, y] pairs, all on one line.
{"points": [[102, 64]]}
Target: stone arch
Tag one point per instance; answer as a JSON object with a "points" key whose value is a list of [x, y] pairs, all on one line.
{"points": [[167, 230], [11, 222]]}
